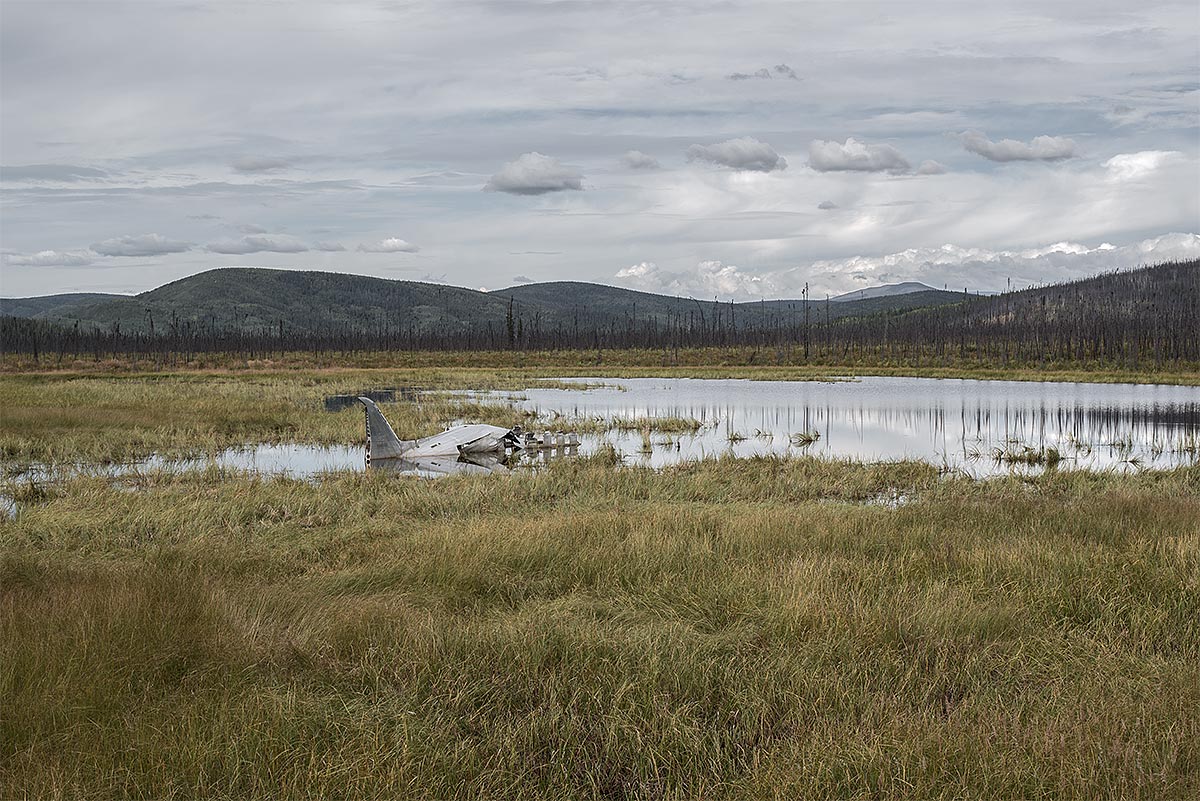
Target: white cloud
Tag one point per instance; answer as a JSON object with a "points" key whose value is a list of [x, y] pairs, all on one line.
{"points": [[389, 245], [251, 164], [709, 279], [637, 160], [50, 258], [1132, 166], [853, 155], [744, 153], [948, 265], [1040, 148], [144, 245], [534, 174], [259, 243], [930, 167]]}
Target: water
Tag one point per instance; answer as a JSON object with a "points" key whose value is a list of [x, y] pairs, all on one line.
{"points": [[957, 424], [950, 423]]}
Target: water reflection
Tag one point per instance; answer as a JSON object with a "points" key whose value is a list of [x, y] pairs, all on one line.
{"points": [[953, 423]]}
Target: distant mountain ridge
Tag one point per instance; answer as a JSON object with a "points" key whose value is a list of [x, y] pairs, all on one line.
{"points": [[256, 299], [884, 291]]}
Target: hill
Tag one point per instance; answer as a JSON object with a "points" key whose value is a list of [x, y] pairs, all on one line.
{"points": [[257, 300], [884, 291], [52, 305]]}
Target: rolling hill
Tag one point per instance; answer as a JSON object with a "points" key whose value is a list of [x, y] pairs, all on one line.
{"points": [[256, 299]]}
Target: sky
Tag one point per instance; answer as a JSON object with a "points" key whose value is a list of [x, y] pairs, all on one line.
{"points": [[732, 150]]}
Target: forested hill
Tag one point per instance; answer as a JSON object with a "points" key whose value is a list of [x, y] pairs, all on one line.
{"points": [[254, 300], [1132, 318]]}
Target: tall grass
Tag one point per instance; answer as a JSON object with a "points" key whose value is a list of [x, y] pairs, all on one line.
{"points": [[723, 629]]}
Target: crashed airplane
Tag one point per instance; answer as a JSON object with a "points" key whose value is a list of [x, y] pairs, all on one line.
{"points": [[382, 442]]}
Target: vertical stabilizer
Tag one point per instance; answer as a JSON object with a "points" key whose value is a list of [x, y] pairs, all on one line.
{"points": [[382, 442]]}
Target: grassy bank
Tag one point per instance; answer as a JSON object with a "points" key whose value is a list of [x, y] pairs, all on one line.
{"points": [[724, 630], [732, 362]]}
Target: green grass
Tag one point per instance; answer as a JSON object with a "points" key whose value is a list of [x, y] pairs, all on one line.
{"points": [[728, 629]]}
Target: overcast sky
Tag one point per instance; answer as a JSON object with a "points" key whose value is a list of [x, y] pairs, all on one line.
{"points": [[726, 149]]}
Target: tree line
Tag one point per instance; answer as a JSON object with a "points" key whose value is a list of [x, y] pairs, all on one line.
{"points": [[1138, 318]]}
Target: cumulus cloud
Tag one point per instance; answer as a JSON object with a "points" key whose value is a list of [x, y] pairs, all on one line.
{"points": [[329, 247], [709, 279], [522, 279], [259, 243], [853, 155], [1132, 166], [251, 164], [826, 205], [144, 245], [637, 160], [952, 266], [930, 167], [389, 245], [50, 258], [534, 174], [744, 153], [1040, 148], [984, 269]]}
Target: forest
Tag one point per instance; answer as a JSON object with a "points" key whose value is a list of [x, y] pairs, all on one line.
{"points": [[1139, 318]]}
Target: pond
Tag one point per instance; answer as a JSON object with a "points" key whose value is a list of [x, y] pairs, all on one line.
{"points": [[980, 428], [977, 427]]}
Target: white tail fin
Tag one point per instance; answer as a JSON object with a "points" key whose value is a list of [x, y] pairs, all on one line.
{"points": [[382, 442]]}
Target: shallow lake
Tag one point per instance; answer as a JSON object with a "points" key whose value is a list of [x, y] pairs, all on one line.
{"points": [[961, 425], [953, 423]]}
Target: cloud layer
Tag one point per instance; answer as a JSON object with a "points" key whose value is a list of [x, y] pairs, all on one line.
{"points": [[144, 245]]}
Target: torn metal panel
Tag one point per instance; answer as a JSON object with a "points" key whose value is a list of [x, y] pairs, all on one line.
{"points": [[382, 442]]}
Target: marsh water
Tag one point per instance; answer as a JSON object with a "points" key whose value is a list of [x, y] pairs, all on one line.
{"points": [[958, 425]]}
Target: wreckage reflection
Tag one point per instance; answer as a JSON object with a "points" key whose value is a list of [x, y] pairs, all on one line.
{"points": [[472, 464]]}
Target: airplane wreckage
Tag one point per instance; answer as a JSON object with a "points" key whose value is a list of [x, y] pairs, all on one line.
{"points": [[476, 448]]}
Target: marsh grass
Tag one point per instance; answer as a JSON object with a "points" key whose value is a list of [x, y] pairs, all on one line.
{"points": [[721, 629]]}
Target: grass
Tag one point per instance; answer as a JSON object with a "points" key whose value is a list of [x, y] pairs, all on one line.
{"points": [[727, 629], [757, 628], [732, 362]]}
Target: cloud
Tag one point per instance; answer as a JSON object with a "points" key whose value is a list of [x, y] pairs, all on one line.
{"points": [[637, 160], [329, 247], [390, 245], [853, 155], [745, 153], [709, 279], [259, 243], [534, 174], [251, 164], [782, 70], [826, 205], [1040, 148], [746, 76], [50, 258], [981, 268], [522, 279], [64, 173], [1132, 166], [144, 245], [930, 167]]}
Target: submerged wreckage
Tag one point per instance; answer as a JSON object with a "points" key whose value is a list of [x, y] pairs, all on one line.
{"points": [[478, 443]]}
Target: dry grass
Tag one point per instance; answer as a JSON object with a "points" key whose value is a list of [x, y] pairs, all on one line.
{"points": [[727, 629]]}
